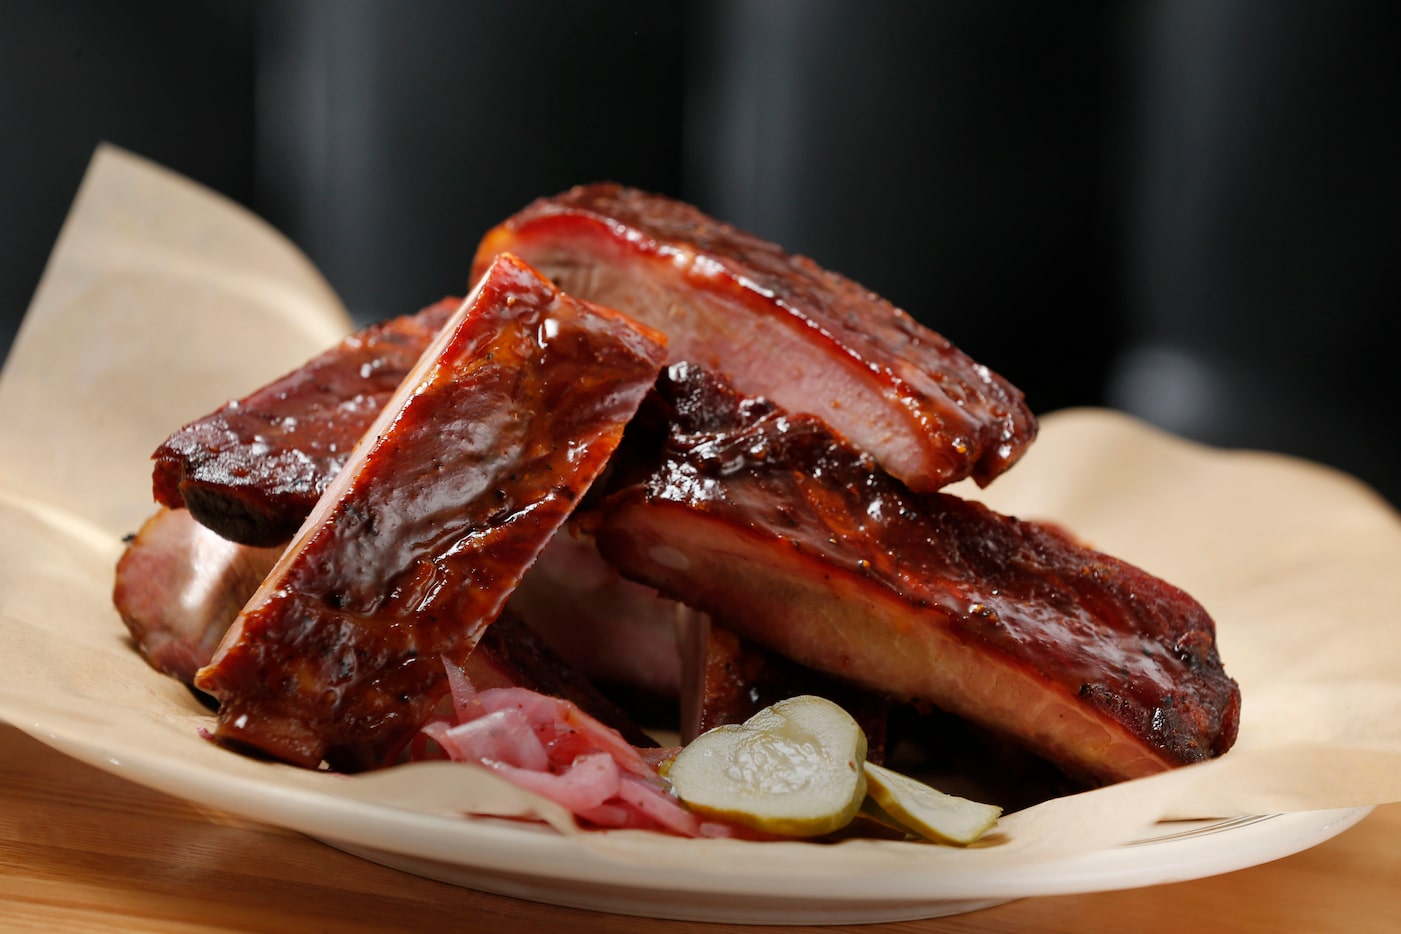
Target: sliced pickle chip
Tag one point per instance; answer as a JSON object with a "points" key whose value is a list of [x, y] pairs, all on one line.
{"points": [[794, 768], [928, 812], [870, 823]]}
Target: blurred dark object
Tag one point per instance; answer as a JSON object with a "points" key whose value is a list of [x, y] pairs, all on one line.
{"points": [[948, 155], [392, 136], [170, 81], [1183, 209], [1261, 231]]}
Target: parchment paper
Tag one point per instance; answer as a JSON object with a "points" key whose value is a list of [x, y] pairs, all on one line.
{"points": [[162, 300]]}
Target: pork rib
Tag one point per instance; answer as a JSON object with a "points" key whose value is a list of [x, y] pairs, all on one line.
{"points": [[776, 526], [253, 469], [779, 326], [411, 552], [179, 587]]}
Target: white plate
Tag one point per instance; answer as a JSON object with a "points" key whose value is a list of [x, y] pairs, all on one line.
{"points": [[534, 863]]}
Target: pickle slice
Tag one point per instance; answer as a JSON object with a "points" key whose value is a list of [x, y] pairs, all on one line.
{"points": [[794, 769], [928, 812]]}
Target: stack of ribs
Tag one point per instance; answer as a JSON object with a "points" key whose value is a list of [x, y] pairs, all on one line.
{"points": [[648, 447]]}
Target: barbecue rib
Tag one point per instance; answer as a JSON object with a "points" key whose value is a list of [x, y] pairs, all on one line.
{"points": [[252, 470], [778, 326], [411, 552], [179, 587], [784, 533]]}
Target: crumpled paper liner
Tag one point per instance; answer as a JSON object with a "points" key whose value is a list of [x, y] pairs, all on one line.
{"points": [[162, 300]]}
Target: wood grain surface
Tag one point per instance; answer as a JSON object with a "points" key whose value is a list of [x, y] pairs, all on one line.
{"points": [[82, 850]]}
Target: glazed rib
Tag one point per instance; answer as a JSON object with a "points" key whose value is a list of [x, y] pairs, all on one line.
{"points": [[252, 470], [778, 326], [179, 587], [411, 552], [772, 523]]}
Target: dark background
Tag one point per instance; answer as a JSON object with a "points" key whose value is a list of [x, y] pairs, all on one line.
{"points": [[1188, 210]]}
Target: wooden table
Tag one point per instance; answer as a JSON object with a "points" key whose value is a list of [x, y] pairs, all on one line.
{"points": [[81, 850]]}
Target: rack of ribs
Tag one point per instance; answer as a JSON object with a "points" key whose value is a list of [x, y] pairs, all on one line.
{"points": [[784, 482]]}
